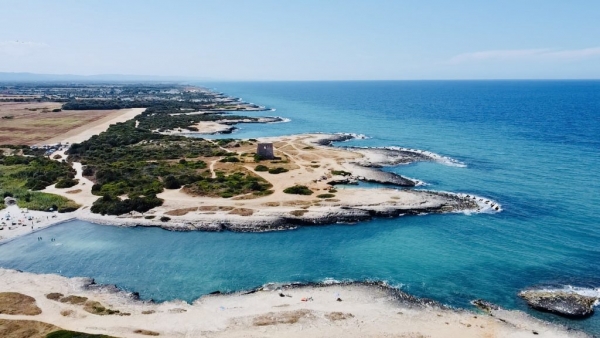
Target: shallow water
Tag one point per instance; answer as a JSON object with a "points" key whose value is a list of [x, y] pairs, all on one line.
{"points": [[533, 146]]}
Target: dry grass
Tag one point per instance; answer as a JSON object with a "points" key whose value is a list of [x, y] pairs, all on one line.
{"points": [[271, 204], [180, 212], [75, 300], [296, 203], [242, 212], [146, 332], [13, 303], [96, 308], [25, 329], [148, 312], [333, 316], [35, 122], [76, 191], [54, 296], [67, 313], [288, 317], [298, 213], [215, 208]]}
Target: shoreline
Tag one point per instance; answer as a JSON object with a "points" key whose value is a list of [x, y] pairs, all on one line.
{"points": [[273, 310]]}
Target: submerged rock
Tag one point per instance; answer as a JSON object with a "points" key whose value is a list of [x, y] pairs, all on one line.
{"points": [[566, 304]]}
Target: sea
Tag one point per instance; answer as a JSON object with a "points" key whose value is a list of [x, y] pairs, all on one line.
{"points": [[532, 146]]}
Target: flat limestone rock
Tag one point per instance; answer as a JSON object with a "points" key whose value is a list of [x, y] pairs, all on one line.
{"points": [[566, 304]]}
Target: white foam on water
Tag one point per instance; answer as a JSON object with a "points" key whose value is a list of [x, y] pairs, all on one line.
{"points": [[433, 156], [582, 291], [283, 120]]}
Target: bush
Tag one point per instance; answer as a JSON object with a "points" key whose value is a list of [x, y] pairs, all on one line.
{"points": [[115, 206], [66, 209], [277, 170], [165, 219], [171, 182], [261, 167], [341, 173], [88, 171], [230, 159], [298, 190], [66, 183], [325, 195], [74, 334]]}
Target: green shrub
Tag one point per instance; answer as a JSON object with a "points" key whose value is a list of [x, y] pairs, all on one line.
{"points": [[149, 217], [165, 219], [298, 190], [74, 334], [66, 183], [326, 196], [261, 167], [277, 170], [67, 209], [230, 159], [341, 173]]}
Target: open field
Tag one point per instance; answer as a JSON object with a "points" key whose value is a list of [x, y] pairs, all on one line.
{"points": [[33, 123]]}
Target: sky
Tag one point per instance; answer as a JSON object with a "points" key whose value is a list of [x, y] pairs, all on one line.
{"points": [[304, 40]]}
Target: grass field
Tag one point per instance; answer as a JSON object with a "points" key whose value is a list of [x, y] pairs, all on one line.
{"points": [[33, 123]]}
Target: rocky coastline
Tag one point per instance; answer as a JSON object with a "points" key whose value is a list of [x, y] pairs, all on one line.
{"points": [[564, 303]]}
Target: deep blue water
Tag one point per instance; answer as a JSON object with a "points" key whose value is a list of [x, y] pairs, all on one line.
{"points": [[534, 146]]}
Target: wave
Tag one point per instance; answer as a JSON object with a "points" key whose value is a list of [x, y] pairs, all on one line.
{"points": [[435, 157], [281, 120], [582, 291]]}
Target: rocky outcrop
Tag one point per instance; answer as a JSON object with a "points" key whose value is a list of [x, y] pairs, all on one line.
{"points": [[563, 303]]}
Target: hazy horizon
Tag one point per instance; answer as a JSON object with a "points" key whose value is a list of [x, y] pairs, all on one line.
{"points": [[266, 40]]}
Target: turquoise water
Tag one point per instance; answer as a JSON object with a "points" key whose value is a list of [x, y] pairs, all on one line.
{"points": [[534, 146]]}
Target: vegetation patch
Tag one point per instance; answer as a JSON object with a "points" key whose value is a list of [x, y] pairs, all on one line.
{"points": [[242, 212], [326, 196], [298, 190], [66, 183], [75, 300], [287, 317], [96, 308], [19, 174], [25, 328], [13, 303], [341, 173], [146, 332], [261, 167], [298, 213], [230, 159], [334, 316], [54, 296], [277, 170], [226, 186], [180, 212], [109, 205], [75, 334]]}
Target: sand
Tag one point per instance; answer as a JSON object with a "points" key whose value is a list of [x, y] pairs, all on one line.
{"points": [[364, 311]]}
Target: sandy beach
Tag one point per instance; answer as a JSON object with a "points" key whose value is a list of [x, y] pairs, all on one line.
{"points": [[309, 311]]}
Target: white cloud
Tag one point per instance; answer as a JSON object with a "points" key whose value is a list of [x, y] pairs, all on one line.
{"points": [[525, 55]]}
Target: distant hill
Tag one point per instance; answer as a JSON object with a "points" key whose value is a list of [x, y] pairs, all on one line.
{"points": [[31, 77]]}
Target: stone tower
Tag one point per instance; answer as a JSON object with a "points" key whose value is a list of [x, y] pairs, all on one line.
{"points": [[265, 151]]}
